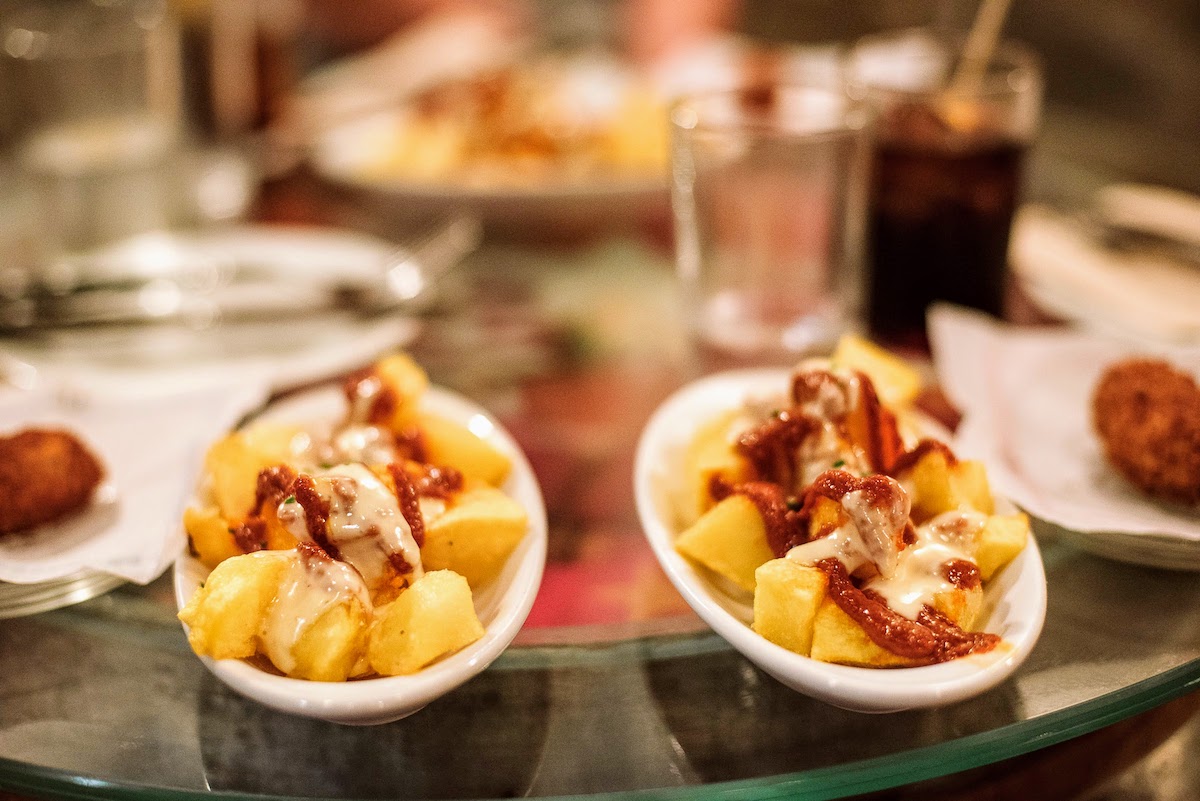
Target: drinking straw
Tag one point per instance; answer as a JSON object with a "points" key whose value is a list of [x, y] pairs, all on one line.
{"points": [[981, 42]]}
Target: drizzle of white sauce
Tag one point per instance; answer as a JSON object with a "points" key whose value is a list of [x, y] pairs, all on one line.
{"points": [[310, 587], [917, 573], [365, 522], [825, 448], [920, 574], [362, 443], [908, 578], [871, 535], [351, 443]]}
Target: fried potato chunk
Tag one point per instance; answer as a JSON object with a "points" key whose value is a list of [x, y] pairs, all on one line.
{"points": [[730, 539], [210, 537], [476, 535], [234, 462], [452, 444], [45, 474], [1147, 414], [786, 602], [224, 616], [431, 619], [711, 454], [896, 381]]}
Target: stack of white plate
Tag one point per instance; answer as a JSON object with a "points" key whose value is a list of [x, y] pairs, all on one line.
{"points": [[18, 600]]}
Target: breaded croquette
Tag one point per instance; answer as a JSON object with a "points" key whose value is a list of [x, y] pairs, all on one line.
{"points": [[45, 474], [1147, 414]]}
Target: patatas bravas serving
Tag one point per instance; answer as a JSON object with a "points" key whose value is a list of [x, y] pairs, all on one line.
{"points": [[350, 548], [861, 545]]}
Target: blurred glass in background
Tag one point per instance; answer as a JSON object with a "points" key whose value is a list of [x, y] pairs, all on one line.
{"points": [[949, 148], [768, 193], [94, 116]]}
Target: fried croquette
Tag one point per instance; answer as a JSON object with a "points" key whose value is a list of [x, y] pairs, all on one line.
{"points": [[45, 474], [1147, 414]]}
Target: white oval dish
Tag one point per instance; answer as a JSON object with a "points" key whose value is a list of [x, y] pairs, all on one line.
{"points": [[1014, 601], [502, 606]]}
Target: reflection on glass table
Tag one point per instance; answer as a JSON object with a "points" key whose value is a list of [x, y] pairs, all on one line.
{"points": [[613, 685]]}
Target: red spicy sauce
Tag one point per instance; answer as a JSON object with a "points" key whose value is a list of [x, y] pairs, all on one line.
{"points": [[930, 639], [771, 447], [909, 458], [274, 483], [384, 400], [410, 507], [438, 482], [874, 428], [316, 513], [962, 574]]}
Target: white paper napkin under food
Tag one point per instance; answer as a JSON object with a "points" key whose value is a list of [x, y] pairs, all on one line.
{"points": [[1026, 396], [151, 448]]}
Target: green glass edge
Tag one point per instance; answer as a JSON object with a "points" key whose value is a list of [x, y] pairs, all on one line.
{"points": [[641, 649], [819, 784]]}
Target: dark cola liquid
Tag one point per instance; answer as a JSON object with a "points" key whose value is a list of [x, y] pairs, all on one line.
{"points": [[939, 226]]}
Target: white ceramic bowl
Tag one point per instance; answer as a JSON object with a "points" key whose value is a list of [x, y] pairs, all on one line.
{"points": [[1014, 601], [502, 606]]}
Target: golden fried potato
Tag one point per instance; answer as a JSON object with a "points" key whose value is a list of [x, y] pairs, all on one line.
{"points": [[449, 443], [45, 474], [329, 648], [786, 600], [999, 542], [710, 454], [730, 539], [896, 381], [961, 605], [210, 537], [969, 482], [476, 535], [837, 638], [234, 462], [406, 381], [225, 614], [936, 486], [431, 619]]}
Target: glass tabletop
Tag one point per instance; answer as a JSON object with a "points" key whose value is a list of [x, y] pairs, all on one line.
{"points": [[613, 686]]}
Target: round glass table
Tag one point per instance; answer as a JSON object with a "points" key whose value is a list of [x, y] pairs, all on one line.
{"points": [[613, 686]]}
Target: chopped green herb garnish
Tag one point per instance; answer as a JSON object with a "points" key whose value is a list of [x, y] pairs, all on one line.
{"points": [[777, 412], [290, 499], [326, 465], [840, 463], [793, 504]]}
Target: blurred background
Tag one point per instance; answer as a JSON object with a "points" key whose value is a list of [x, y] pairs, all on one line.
{"points": [[1118, 77]]}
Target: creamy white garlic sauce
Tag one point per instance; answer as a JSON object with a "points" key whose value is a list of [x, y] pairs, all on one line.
{"points": [[834, 399], [909, 578], [872, 534], [365, 522], [363, 443], [325, 445], [310, 587], [920, 574]]}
